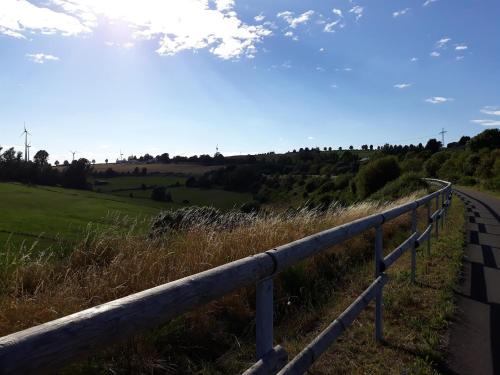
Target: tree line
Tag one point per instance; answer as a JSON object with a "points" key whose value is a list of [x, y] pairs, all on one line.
{"points": [[14, 168]]}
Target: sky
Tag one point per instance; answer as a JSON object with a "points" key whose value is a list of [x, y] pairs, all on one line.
{"points": [[102, 77]]}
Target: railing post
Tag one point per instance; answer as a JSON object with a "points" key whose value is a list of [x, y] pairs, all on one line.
{"points": [[379, 254], [413, 247], [437, 217], [264, 317], [443, 200], [429, 222]]}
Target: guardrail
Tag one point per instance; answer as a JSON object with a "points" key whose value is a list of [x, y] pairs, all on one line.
{"points": [[52, 345]]}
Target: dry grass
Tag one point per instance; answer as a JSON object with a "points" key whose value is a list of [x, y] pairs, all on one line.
{"points": [[111, 263]]}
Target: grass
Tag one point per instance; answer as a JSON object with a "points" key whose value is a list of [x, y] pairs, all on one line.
{"points": [[179, 168], [416, 317], [128, 186], [49, 216], [55, 213], [218, 338], [135, 182]]}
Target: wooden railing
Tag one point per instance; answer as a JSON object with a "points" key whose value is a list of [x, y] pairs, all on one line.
{"points": [[52, 345]]}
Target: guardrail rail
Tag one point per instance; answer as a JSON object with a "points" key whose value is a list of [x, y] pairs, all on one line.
{"points": [[55, 344]]}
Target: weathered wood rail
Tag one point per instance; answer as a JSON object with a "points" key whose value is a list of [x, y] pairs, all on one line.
{"points": [[53, 345]]}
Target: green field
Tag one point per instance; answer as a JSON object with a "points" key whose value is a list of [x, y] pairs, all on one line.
{"points": [[130, 187], [48, 214]]}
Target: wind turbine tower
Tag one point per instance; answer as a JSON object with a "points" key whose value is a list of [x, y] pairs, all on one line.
{"points": [[26, 147]]}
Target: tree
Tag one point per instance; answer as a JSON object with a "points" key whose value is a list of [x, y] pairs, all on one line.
{"points": [[93, 161], [164, 158], [464, 140], [41, 157], [161, 194], [351, 148], [489, 139], [66, 163], [371, 147], [106, 161], [56, 163], [433, 145], [374, 175]]}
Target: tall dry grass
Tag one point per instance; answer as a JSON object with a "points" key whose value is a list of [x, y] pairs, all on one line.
{"points": [[116, 261]]}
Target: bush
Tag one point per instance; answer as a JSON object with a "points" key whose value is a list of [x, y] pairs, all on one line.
{"points": [[493, 184], [433, 164], [467, 181], [374, 175], [489, 139], [161, 194], [403, 186]]}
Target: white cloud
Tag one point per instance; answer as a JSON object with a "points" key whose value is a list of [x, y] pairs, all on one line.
{"points": [[334, 86], [292, 21], [330, 27], [441, 43], [458, 58], [178, 25], [461, 47], [435, 54], [20, 17], [357, 11], [290, 34], [402, 85], [337, 12], [286, 65], [126, 45], [438, 100], [310, 138], [259, 18], [494, 111], [41, 58], [414, 59], [400, 12], [428, 2], [320, 69], [487, 122], [321, 49]]}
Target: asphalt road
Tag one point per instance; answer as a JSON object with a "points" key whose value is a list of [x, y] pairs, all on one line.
{"points": [[474, 346]]}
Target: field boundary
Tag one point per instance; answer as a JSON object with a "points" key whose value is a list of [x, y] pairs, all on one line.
{"points": [[57, 343]]}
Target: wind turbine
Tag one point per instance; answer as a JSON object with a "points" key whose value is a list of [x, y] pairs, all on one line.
{"points": [[26, 148], [73, 152]]}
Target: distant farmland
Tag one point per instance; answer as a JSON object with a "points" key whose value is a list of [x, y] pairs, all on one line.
{"points": [[178, 168]]}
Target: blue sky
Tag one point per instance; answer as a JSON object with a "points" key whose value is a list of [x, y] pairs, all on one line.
{"points": [[181, 76]]}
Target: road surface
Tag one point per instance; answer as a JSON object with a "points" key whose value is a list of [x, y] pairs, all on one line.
{"points": [[474, 346]]}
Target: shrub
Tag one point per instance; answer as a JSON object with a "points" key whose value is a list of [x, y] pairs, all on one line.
{"points": [[435, 162], [374, 175], [161, 194], [467, 181], [403, 186], [489, 138]]}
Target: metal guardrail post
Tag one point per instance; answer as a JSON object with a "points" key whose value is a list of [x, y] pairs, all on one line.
{"points": [[413, 247], [379, 256], [264, 317], [437, 217], [443, 200], [429, 222]]}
